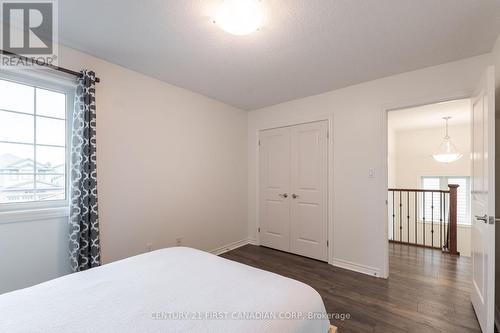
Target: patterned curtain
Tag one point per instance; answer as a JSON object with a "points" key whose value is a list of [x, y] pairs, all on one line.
{"points": [[84, 219]]}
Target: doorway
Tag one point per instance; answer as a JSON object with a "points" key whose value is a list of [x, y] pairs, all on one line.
{"points": [[422, 210], [429, 176], [429, 199]]}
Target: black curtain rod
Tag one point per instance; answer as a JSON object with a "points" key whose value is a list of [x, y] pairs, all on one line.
{"points": [[57, 68]]}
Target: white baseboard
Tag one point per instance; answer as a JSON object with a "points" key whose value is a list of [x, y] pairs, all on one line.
{"points": [[357, 267], [232, 246], [335, 262], [253, 241]]}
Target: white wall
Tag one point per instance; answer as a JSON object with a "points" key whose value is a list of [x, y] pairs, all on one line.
{"points": [[171, 163], [412, 160], [359, 136], [32, 252]]}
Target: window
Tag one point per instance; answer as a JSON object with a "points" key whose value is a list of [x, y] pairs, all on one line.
{"points": [[441, 183], [33, 142]]}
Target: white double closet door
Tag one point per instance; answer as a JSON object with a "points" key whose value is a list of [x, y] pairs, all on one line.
{"points": [[293, 187]]}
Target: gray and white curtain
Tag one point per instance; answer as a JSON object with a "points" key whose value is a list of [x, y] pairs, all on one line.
{"points": [[84, 218]]}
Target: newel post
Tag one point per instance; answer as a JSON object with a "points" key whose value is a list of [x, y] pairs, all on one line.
{"points": [[452, 246]]}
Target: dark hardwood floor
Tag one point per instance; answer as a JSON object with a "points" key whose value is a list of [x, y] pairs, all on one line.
{"points": [[427, 291]]}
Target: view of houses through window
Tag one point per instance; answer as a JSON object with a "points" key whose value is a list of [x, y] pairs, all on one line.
{"points": [[32, 143]]}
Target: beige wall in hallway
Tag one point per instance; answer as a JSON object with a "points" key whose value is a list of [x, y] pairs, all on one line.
{"points": [[413, 154]]}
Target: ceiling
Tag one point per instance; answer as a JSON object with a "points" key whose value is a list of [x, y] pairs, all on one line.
{"points": [[305, 47], [431, 116]]}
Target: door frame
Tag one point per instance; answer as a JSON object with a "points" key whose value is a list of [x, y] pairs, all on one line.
{"points": [[385, 109], [293, 122]]}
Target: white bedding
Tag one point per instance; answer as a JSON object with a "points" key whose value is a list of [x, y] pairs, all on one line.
{"points": [[150, 292]]}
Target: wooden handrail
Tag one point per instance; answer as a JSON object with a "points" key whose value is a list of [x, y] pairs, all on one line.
{"points": [[416, 190]]}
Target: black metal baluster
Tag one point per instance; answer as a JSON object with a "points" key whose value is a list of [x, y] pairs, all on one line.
{"points": [[408, 215], [441, 220], [447, 218], [432, 219], [393, 215], [423, 219], [446, 226], [416, 215], [401, 216]]}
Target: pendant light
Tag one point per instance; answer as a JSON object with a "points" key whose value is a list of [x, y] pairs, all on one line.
{"points": [[447, 152]]}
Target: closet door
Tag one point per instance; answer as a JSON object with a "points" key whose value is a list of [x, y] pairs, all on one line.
{"points": [[275, 188], [309, 184]]}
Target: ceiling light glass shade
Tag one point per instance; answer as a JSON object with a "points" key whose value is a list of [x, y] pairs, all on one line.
{"points": [[240, 17], [447, 152]]}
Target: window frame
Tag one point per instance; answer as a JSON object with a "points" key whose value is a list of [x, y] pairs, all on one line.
{"points": [[44, 79], [443, 185]]}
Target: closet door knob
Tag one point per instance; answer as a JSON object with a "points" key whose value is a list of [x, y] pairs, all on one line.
{"points": [[295, 196], [284, 195]]}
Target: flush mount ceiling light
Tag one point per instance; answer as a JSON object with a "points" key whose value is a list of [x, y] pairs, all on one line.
{"points": [[239, 17], [447, 152]]}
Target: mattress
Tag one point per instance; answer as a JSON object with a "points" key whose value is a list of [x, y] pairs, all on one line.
{"points": [[170, 290]]}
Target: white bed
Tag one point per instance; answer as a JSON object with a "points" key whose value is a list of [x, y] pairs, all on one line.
{"points": [[171, 290]]}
